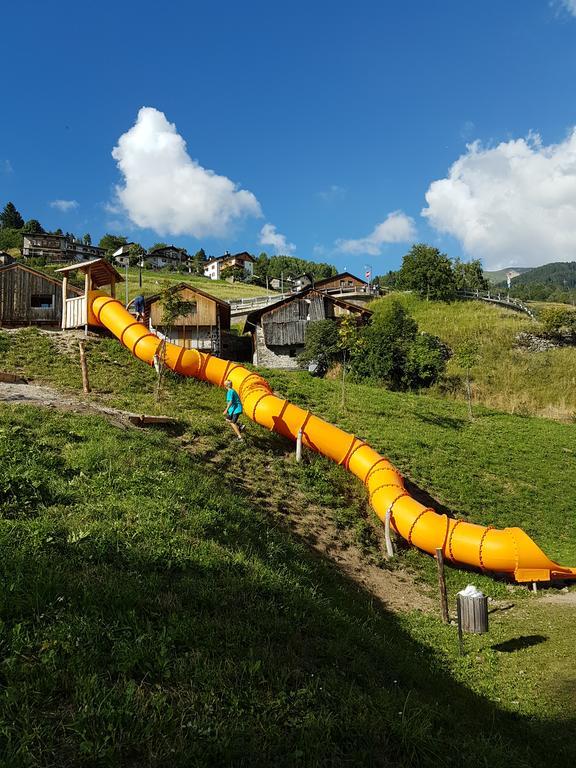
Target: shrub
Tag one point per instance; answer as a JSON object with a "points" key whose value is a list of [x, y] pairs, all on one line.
{"points": [[557, 319], [391, 350], [322, 345]]}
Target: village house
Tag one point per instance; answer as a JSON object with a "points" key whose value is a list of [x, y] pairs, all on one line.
{"points": [[341, 283], [166, 255], [206, 327], [29, 297], [56, 248], [214, 267], [279, 330]]}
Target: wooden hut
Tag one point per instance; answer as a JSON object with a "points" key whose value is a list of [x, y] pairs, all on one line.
{"points": [[31, 297], [342, 283], [206, 327], [279, 330]]}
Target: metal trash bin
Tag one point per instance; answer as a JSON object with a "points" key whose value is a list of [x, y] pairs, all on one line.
{"points": [[472, 609]]}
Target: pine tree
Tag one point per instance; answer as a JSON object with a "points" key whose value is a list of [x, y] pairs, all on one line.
{"points": [[10, 218]]}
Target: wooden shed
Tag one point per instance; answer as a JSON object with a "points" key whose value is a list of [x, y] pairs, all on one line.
{"points": [[206, 328], [279, 330], [31, 297]]}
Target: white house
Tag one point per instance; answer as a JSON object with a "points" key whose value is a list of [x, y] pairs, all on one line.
{"points": [[215, 266]]}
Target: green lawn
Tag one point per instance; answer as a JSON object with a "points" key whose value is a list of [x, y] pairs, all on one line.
{"points": [[155, 612]]}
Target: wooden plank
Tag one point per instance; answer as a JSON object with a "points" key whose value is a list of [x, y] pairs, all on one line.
{"points": [[12, 378], [142, 420]]}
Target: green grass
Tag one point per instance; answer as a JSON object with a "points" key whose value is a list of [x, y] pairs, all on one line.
{"points": [[152, 616], [506, 378], [184, 599]]}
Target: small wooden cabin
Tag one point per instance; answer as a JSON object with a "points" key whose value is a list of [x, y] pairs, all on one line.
{"points": [[206, 328], [31, 297], [279, 330], [341, 283]]}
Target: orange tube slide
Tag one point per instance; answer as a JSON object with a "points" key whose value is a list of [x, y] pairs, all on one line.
{"points": [[509, 551]]}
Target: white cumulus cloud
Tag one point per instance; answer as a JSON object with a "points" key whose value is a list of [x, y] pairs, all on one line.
{"points": [[397, 227], [166, 190], [64, 205], [269, 236], [570, 6], [510, 205]]}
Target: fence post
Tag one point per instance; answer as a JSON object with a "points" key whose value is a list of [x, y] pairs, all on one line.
{"points": [[84, 367], [442, 586], [387, 537]]}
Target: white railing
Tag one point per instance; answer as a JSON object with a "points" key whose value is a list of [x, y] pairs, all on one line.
{"points": [[74, 314], [498, 298], [255, 302]]}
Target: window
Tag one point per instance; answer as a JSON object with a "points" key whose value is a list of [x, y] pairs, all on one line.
{"points": [[292, 353], [42, 301]]}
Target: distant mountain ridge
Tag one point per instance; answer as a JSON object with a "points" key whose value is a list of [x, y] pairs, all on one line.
{"points": [[558, 274], [499, 276]]}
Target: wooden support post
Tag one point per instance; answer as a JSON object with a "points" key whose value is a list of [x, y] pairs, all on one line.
{"points": [[387, 537], [459, 615], [442, 586], [84, 367], [299, 446], [64, 297], [87, 286], [534, 586]]}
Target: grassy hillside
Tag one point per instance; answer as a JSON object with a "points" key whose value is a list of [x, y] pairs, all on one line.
{"points": [[155, 281], [506, 376], [152, 616], [157, 610]]}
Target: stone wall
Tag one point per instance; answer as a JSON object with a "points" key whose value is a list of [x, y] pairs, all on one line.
{"points": [[275, 357]]}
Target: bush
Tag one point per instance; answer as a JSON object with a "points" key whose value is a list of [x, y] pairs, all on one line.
{"points": [[556, 319], [425, 361], [322, 346], [391, 350]]}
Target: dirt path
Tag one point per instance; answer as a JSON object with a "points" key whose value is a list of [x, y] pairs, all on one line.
{"points": [[33, 394], [395, 589]]}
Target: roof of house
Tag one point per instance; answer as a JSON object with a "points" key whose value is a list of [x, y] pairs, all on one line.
{"points": [[100, 269], [50, 278], [339, 276], [243, 255], [253, 318], [180, 286], [160, 248]]}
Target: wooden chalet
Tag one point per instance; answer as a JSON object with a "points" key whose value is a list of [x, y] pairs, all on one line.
{"points": [[31, 297], [341, 283], [279, 330], [206, 328]]}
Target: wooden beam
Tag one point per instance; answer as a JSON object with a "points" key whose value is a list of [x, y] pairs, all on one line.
{"points": [[64, 298]]}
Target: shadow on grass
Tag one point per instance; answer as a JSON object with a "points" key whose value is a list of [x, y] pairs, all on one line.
{"points": [[238, 650], [519, 643]]}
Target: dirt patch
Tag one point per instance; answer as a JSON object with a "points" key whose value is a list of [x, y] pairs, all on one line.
{"points": [[565, 599], [46, 397]]}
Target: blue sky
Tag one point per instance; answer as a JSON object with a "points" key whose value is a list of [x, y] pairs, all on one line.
{"points": [[323, 129]]}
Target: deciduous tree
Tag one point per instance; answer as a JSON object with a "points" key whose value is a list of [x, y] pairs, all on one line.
{"points": [[428, 272]]}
